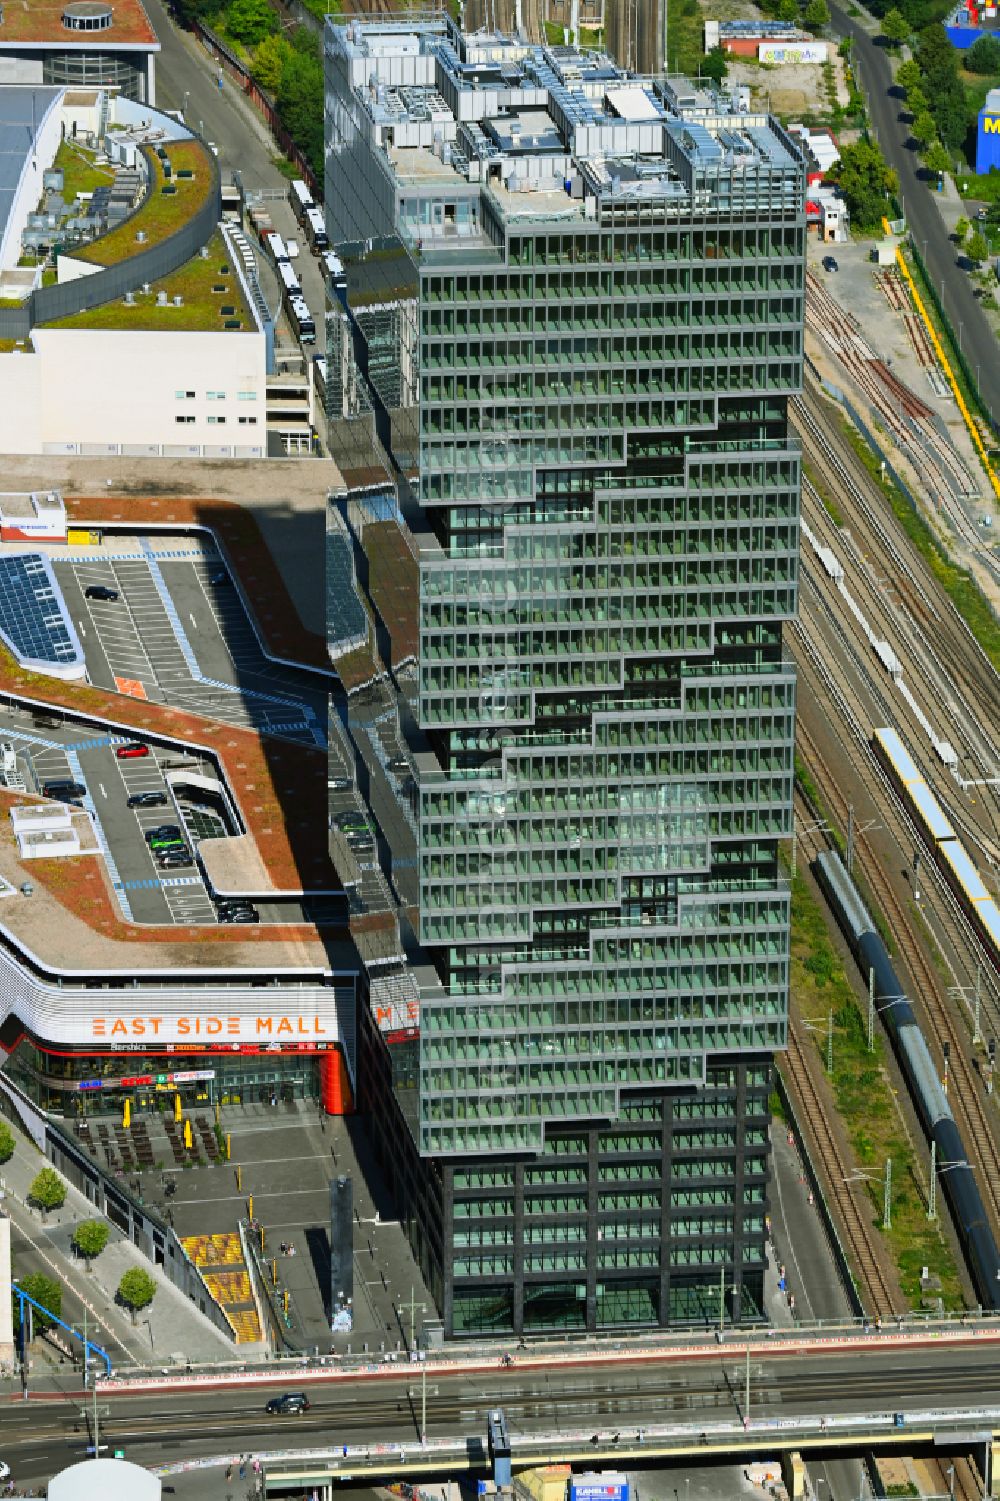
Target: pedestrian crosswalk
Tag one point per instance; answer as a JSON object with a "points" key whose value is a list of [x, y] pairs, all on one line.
{"points": [[147, 883]]}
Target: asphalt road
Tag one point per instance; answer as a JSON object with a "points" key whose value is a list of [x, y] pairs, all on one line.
{"points": [[40, 1437], [925, 223]]}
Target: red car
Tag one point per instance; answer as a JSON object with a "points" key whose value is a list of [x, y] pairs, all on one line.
{"points": [[131, 748]]}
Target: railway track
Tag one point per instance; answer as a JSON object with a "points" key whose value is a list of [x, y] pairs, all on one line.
{"points": [[965, 1088], [879, 1295], [945, 654]]}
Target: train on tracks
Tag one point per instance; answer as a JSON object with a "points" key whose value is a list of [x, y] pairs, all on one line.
{"points": [[957, 1178], [950, 854]]}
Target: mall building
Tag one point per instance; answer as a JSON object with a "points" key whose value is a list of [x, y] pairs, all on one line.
{"points": [[573, 298]]}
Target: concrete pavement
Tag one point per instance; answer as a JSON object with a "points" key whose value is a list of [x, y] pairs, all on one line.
{"points": [[874, 73], [171, 1330]]}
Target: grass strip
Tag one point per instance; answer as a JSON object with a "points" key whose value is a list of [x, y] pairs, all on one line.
{"points": [[865, 1101]]}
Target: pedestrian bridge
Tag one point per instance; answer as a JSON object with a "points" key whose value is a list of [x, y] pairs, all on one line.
{"points": [[290, 1474]]}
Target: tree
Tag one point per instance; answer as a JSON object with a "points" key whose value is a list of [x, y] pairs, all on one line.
{"points": [[916, 100], [984, 56], [788, 10], [908, 75], [136, 1290], [7, 1142], [895, 27], [977, 249], [817, 15], [45, 1291], [942, 85], [936, 158], [924, 129], [48, 1190], [300, 98], [268, 61], [250, 21], [962, 227], [715, 65], [90, 1238], [864, 179]]}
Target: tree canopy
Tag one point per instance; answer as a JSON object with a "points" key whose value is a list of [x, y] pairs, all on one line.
{"points": [[48, 1190], [250, 21], [895, 27], [90, 1237], [864, 179], [817, 14], [136, 1289], [977, 249], [44, 1290], [940, 81], [984, 55], [7, 1142]]}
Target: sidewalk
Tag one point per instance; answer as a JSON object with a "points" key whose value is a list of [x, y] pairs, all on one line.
{"points": [[172, 1328]]}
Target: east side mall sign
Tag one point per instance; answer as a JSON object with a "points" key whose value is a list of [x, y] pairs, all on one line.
{"points": [[273, 1027]]}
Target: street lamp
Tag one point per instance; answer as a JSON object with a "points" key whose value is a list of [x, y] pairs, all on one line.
{"points": [[187, 96]]}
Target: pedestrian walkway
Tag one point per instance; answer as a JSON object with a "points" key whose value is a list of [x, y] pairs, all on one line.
{"points": [[172, 1328]]}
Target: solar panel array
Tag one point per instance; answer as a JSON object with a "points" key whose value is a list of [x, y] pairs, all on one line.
{"points": [[32, 617]]}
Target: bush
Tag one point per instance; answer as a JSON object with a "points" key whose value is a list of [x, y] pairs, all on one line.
{"points": [[983, 56], [48, 1190], [90, 1238], [46, 1291], [7, 1142], [136, 1290]]}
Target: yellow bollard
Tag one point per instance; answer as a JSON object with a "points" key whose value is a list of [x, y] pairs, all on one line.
{"points": [[274, 1272], [262, 1240], [188, 1137], [284, 1300], [177, 1108], [217, 1113], [127, 1114], [239, 1177], [229, 1146], [250, 1208]]}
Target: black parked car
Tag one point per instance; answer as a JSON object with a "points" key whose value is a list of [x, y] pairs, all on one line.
{"points": [[100, 591], [148, 800]]}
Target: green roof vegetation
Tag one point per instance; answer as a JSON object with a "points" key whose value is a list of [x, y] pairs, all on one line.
{"points": [[200, 312], [160, 213], [78, 170]]}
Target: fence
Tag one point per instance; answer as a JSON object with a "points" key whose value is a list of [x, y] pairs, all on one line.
{"points": [[152, 264], [955, 353], [262, 102]]}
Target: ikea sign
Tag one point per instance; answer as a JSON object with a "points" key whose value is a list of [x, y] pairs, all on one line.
{"points": [[988, 141]]}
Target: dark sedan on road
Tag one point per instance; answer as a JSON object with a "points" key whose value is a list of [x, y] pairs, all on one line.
{"points": [[288, 1402]]}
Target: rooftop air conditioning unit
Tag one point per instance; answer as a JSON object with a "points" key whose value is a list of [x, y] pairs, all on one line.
{"points": [[178, 300], [203, 252], [146, 288], [161, 299], [129, 299], [140, 236]]}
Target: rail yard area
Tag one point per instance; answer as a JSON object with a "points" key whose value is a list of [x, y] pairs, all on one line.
{"points": [[880, 645]]}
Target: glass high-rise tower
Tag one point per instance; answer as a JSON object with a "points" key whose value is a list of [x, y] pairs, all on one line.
{"points": [[576, 297]]}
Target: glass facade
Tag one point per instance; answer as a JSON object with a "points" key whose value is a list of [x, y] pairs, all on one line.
{"points": [[605, 501]]}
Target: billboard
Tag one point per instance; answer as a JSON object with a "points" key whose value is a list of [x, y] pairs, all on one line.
{"points": [[792, 52], [988, 140], [605, 1487]]}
